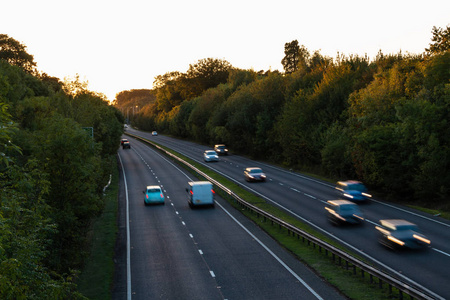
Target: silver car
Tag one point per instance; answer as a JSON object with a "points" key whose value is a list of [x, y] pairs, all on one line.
{"points": [[254, 174], [210, 155]]}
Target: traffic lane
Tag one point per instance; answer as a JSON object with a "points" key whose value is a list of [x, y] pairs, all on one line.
{"points": [[158, 268], [214, 233], [241, 268]]}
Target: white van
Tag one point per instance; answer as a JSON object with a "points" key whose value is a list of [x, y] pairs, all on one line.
{"points": [[200, 193]]}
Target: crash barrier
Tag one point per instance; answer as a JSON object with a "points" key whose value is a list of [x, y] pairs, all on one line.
{"points": [[338, 256]]}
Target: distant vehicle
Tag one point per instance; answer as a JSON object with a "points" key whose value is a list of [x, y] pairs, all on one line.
{"points": [[210, 155], [125, 126], [254, 174], [154, 133], [122, 141], [397, 234], [221, 149], [352, 190], [200, 193], [153, 195], [342, 212], [126, 145]]}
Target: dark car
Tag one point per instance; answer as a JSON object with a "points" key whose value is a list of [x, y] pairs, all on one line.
{"points": [[343, 212], [221, 149], [352, 190], [254, 174], [126, 145], [122, 141], [398, 234]]}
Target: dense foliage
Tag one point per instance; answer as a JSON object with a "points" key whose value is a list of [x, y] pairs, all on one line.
{"points": [[57, 145], [384, 121]]}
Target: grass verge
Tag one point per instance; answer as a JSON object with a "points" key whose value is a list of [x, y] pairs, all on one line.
{"points": [[96, 278]]}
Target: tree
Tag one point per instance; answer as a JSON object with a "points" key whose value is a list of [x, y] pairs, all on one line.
{"points": [[440, 39], [295, 58], [206, 73], [14, 53]]}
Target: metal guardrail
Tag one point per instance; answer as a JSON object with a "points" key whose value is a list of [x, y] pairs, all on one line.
{"points": [[402, 286]]}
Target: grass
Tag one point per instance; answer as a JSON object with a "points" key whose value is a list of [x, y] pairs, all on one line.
{"points": [[96, 278]]}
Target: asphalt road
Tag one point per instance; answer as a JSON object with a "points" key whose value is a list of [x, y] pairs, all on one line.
{"points": [[305, 198], [174, 252]]}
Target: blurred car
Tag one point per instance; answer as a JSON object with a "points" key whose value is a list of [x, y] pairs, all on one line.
{"points": [[210, 155], [254, 174], [352, 190], [153, 195], [397, 233], [126, 145], [221, 149], [343, 212], [154, 133], [122, 141]]}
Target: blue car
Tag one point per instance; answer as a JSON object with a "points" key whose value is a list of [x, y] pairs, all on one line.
{"points": [[352, 190], [342, 212], [153, 195]]}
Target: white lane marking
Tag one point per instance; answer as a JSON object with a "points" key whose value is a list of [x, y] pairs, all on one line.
{"points": [[442, 252], [271, 253], [212, 274], [128, 233], [200, 251], [191, 236], [310, 196], [411, 213], [182, 222]]}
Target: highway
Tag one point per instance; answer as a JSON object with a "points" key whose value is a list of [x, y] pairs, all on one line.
{"points": [[305, 198], [174, 252]]}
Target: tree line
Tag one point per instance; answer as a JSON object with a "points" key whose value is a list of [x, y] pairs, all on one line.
{"points": [[58, 142], [383, 121]]}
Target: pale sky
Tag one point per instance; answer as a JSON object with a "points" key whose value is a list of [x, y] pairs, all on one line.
{"points": [[124, 45]]}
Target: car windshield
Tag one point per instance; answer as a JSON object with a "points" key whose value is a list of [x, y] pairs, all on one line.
{"points": [[210, 153], [348, 208], [256, 171], [407, 227], [153, 190], [221, 147], [356, 187]]}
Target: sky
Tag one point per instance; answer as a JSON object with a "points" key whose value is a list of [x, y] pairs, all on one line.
{"points": [[124, 45]]}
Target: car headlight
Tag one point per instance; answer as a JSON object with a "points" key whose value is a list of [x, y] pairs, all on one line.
{"points": [[395, 240], [422, 239]]}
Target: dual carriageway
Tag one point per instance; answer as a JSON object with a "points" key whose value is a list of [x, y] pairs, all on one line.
{"points": [[176, 252]]}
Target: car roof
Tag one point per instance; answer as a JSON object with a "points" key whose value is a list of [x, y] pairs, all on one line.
{"points": [[395, 223], [340, 202], [192, 183], [253, 168], [153, 187], [347, 182], [218, 145]]}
